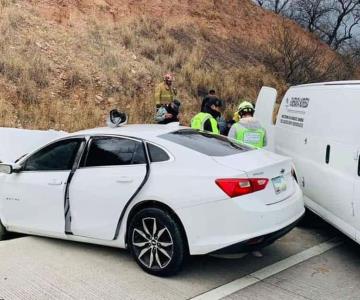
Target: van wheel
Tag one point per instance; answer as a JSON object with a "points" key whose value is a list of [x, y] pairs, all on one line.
{"points": [[156, 242], [2, 231]]}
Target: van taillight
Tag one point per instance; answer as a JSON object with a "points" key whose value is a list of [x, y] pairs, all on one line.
{"points": [[235, 187]]}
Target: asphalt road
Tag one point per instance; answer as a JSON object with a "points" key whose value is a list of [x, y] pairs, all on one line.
{"points": [[295, 267]]}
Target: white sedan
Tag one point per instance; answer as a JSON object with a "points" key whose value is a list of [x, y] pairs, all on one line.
{"points": [[162, 191]]}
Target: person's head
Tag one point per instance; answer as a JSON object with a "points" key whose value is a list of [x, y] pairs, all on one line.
{"points": [[212, 92], [246, 109], [215, 104], [168, 78]]}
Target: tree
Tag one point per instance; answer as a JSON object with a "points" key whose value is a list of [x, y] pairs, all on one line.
{"points": [[277, 6], [310, 13], [340, 23], [296, 61], [334, 21]]}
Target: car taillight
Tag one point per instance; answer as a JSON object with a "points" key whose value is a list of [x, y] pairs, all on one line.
{"points": [[235, 187]]}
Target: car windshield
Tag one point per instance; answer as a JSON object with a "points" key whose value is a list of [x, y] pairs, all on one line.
{"points": [[22, 156], [206, 142]]}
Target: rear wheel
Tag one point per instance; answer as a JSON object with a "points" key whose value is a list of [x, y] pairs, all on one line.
{"points": [[156, 242]]}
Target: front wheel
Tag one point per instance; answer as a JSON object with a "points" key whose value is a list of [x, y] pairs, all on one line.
{"points": [[156, 242]]}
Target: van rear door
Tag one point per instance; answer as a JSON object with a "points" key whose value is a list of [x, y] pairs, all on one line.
{"points": [[264, 113]]}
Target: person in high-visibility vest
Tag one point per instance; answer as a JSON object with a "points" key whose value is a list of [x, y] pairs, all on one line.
{"points": [[207, 119], [248, 130]]}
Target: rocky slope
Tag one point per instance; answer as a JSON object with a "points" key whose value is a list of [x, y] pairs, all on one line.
{"points": [[64, 64]]}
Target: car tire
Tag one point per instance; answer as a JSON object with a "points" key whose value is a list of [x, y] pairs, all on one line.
{"points": [[156, 242], [2, 231]]}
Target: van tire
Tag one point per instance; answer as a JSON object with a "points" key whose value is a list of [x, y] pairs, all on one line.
{"points": [[2, 231], [160, 251]]}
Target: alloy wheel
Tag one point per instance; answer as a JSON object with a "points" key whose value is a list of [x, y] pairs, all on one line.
{"points": [[152, 243]]}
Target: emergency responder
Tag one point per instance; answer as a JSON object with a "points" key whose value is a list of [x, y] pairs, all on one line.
{"points": [[207, 120], [207, 98], [165, 92], [248, 130], [168, 113], [236, 117]]}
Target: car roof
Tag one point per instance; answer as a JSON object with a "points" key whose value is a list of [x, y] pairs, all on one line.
{"points": [[143, 131]]}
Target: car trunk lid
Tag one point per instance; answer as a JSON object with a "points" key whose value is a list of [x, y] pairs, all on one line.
{"points": [[264, 164]]}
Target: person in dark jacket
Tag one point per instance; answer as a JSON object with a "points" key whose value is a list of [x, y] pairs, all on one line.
{"points": [[207, 98], [207, 119]]}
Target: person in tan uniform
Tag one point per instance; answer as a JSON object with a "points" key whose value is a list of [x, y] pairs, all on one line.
{"points": [[165, 92]]}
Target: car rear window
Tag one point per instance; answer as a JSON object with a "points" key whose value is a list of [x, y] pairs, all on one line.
{"points": [[205, 143]]}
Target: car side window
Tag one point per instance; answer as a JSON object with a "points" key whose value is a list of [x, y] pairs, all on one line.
{"points": [[113, 151], [58, 156], [157, 154]]}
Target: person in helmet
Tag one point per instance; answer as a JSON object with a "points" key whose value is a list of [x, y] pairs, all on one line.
{"points": [[248, 130], [207, 119], [165, 92], [168, 113]]}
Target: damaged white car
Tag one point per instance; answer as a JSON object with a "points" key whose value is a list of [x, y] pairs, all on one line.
{"points": [[163, 192]]}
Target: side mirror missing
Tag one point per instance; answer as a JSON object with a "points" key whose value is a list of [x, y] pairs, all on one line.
{"points": [[9, 168]]}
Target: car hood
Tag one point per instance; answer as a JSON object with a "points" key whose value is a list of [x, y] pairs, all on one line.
{"points": [[16, 142]]}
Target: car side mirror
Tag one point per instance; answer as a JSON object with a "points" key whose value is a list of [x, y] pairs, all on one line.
{"points": [[9, 168]]}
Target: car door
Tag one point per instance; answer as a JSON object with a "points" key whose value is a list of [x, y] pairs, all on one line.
{"points": [[111, 173], [356, 197], [33, 198]]}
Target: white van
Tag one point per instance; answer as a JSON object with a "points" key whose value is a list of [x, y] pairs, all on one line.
{"points": [[317, 125]]}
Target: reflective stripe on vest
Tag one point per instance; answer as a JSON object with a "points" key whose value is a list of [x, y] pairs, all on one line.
{"points": [[251, 136], [199, 120]]}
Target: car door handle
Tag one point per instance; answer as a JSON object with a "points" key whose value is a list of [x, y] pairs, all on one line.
{"points": [[55, 182], [124, 179]]}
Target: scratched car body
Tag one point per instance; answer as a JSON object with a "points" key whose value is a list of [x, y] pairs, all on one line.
{"points": [[163, 192]]}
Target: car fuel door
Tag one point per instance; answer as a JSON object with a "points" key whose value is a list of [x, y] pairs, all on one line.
{"points": [[112, 172], [264, 113]]}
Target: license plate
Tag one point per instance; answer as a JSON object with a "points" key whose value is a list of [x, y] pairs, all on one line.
{"points": [[279, 184]]}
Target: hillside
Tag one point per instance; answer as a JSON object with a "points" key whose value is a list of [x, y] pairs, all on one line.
{"points": [[65, 64]]}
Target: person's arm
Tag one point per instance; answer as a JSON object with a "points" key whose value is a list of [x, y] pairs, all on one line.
{"points": [[160, 114], [157, 95], [265, 139], [232, 132]]}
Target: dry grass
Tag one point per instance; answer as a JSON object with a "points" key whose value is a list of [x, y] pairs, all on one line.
{"points": [[69, 78]]}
